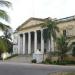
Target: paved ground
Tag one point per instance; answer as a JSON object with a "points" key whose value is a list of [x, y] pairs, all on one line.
{"points": [[11, 68]]}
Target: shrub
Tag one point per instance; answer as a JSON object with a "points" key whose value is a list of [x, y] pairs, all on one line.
{"points": [[73, 52], [65, 62], [33, 61], [47, 61]]}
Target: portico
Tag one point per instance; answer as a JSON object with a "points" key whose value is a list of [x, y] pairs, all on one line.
{"points": [[29, 38], [29, 42]]}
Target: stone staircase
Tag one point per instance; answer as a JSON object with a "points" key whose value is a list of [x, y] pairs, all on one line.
{"points": [[20, 59]]}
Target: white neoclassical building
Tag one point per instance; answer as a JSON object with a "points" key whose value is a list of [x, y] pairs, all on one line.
{"points": [[28, 37]]}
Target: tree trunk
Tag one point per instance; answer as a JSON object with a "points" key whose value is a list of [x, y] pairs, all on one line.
{"points": [[50, 56], [54, 45], [62, 58]]}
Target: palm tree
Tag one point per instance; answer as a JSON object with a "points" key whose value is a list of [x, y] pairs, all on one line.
{"points": [[63, 47], [51, 29], [3, 27], [3, 13]]}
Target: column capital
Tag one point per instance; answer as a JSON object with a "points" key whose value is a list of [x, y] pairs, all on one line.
{"points": [[42, 29], [35, 31]]}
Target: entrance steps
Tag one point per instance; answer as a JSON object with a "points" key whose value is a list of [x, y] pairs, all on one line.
{"points": [[21, 59]]}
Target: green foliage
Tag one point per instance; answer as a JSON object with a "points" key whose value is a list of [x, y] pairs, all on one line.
{"points": [[62, 47], [73, 52], [33, 61], [9, 45], [54, 53], [7, 33], [7, 39], [3, 13], [3, 45], [50, 31], [4, 27], [47, 61], [65, 62]]}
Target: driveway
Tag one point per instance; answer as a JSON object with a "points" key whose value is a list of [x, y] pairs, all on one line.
{"points": [[11, 68]]}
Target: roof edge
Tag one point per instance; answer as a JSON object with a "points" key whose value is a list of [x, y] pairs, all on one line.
{"points": [[31, 18], [55, 19]]}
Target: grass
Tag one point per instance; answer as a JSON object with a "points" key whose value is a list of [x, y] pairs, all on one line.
{"points": [[62, 73]]}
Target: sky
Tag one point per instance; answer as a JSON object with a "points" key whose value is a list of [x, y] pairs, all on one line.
{"points": [[24, 9]]}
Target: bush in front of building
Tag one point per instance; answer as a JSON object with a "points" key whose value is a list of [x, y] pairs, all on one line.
{"points": [[73, 52], [47, 61], [65, 62], [34, 61]]}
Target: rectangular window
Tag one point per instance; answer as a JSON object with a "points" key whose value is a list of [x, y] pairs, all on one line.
{"points": [[64, 32]]}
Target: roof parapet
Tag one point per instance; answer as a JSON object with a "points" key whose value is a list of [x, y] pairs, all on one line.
{"points": [[66, 19]]}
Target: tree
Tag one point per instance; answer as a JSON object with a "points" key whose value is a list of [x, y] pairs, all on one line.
{"points": [[3, 14], [51, 29], [6, 44], [7, 33], [63, 48], [3, 45], [8, 40]]}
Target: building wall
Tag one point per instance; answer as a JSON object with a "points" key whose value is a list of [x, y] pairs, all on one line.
{"points": [[32, 26], [69, 25]]}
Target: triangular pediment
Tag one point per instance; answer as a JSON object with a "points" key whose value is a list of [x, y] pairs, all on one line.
{"points": [[30, 23]]}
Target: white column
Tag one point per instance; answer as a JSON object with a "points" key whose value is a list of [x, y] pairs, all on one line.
{"points": [[24, 43], [35, 41], [18, 43], [29, 43], [42, 42]]}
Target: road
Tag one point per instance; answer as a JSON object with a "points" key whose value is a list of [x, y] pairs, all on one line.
{"points": [[11, 68]]}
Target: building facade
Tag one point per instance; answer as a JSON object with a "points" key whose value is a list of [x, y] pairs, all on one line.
{"points": [[28, 38]]}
